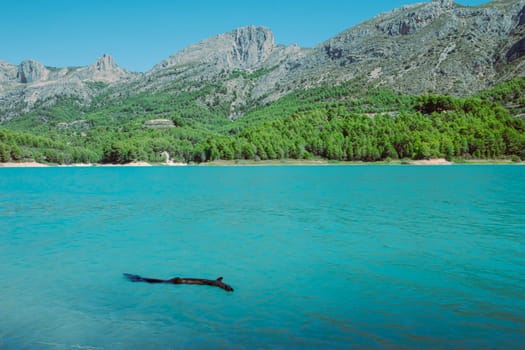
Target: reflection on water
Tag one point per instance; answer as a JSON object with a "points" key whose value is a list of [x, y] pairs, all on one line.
{"points": [[320, 257]]}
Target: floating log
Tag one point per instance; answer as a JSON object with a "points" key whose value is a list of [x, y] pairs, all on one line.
{"points": [[177, 280]]}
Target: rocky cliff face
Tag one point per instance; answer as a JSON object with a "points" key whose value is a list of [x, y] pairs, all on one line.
{"points": [[417, 18], [31, 71], [430, 47], [246, 47]]}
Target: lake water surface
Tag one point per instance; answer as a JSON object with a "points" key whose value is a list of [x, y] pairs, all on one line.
{"points": [[356, 257]]}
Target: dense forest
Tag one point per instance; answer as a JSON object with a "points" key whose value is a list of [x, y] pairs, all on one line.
{"points": [[336, 123]]}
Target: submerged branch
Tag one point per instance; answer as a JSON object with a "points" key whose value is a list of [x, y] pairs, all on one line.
{"points": [[177, 280]]}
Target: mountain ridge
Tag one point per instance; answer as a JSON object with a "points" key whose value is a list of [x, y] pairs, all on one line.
{"points": [[426, 47]]}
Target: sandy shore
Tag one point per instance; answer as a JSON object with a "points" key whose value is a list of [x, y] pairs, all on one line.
{"points": [[287, 162], [134, 164], [22, 165], [76, 165], [439, 161], [171, 163]]}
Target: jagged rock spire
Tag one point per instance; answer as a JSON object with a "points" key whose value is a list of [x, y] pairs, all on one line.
{"points": [[104, 69], [105, 63]]}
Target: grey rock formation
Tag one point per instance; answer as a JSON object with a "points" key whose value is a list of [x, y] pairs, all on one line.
{"points": [[31, 71], [103, 70], [105, 63], [417, 18], [246, 47]]}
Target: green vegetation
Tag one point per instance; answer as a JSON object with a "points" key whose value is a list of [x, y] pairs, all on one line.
{"points": [[342, 123]]}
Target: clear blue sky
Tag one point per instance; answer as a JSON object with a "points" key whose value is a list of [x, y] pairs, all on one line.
{"points": [[141, 33]]}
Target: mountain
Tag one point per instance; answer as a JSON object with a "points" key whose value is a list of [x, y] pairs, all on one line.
{"points": [[241, 67], [31, 84], [436, 47], [432, 47]]}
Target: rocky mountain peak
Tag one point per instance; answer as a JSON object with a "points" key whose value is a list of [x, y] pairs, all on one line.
{"points": [[105, 63], [245, 48], [30, 71], [104, 69]]}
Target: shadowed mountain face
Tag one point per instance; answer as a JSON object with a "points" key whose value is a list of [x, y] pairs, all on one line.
{"points": [[437, 46]]}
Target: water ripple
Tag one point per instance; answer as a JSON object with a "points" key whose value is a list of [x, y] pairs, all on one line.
{"points": [[360, 257]]}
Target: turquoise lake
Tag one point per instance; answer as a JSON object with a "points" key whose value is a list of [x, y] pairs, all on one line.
{"points": [[357, 257]]}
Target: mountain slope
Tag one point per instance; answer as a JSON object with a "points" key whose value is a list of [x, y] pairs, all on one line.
{"points": [[240, 67], [428, 47], [320, 123], [435, 47], [432, 47]]}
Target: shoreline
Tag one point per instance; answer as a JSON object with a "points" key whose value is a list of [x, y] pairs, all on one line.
{"points": [[287, 162]]}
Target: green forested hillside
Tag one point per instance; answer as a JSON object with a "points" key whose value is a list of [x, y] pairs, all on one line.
{"points": [[337, 123]]}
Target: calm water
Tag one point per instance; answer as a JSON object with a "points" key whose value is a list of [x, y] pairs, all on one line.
{"points": [[365, 257]]}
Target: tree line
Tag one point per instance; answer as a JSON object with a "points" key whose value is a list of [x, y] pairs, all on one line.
{"points": [[323, 122]]}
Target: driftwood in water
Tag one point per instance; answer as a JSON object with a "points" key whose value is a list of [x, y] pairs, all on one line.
{"points": [[177, 280]]}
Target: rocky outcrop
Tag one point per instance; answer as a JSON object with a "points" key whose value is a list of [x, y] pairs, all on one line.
{"points": [[31, 71], [245, 48], [103, 70], [413, 21], [104, 64], [253, 45]]}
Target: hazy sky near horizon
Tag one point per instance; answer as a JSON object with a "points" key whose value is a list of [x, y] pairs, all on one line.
{"points": [[140, 33]]}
